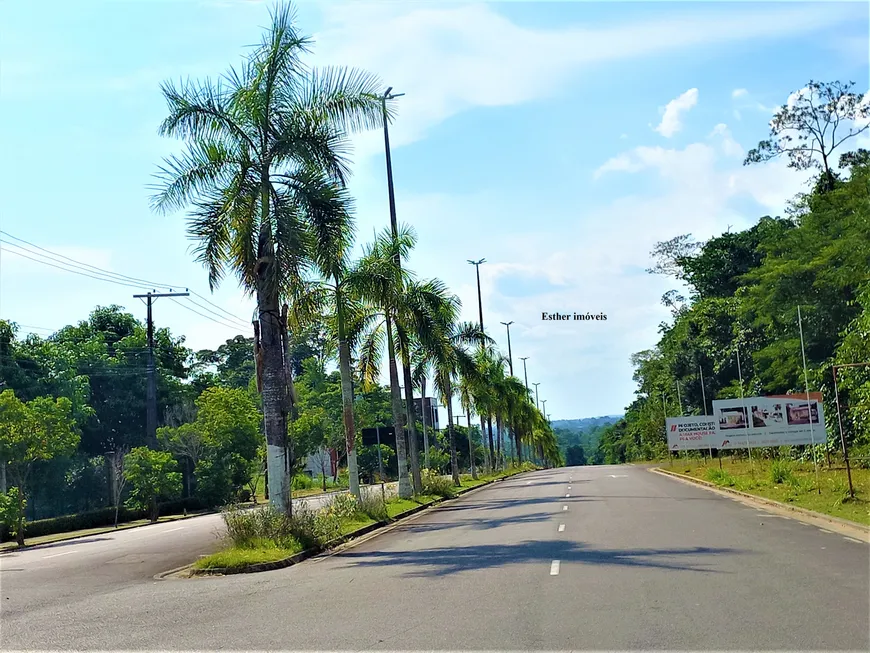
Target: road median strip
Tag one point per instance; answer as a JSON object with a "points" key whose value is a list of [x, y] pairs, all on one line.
{"points": [[331, 547], [802, 514]]}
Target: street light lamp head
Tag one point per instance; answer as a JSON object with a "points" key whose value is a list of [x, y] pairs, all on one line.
{"points": [[483, 260], [508, 323], [387, 92]]}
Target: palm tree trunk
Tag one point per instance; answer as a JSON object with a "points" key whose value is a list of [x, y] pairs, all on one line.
{"points": [[425, 432], [454, 459], [274, 392], [412, 427], [487, 462], [347, 397], [404, 489], [498, 431], [470, 445], [492, 458], [274, 397]]}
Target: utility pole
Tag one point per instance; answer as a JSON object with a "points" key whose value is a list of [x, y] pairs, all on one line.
{"points": [[510, 355], [476, 265], [525, 373], [537, 404], [151, 371]]}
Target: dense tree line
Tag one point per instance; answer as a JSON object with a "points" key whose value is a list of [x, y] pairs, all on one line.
{"points": [[744, 289]]}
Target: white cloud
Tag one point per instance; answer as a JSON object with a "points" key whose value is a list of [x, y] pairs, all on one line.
{"points": [[670, 123], [449, 58], [739, 92]]}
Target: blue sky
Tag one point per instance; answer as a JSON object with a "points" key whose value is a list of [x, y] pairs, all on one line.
{"points": [[535, 135]]}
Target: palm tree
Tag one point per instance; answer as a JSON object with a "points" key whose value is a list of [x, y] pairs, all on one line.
{"points": [[335, 294], [451, 359], [259, 144], [465, 399], [380, 280]]}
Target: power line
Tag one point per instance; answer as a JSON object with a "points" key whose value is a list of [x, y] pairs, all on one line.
{"points": [[118, 278], [188, 308], [218, 316], [80, 264], [12, 251]]}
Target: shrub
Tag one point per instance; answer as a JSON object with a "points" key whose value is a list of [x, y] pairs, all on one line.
{"points": [[436, 484], [720, 477], [248, 529], [781, 472], [11, 511], [373, 506], [302, 482]]}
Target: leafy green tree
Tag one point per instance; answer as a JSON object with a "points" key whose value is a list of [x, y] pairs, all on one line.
{"points": [[259, 147], [40, 429], [575, 456], [152, 476]]}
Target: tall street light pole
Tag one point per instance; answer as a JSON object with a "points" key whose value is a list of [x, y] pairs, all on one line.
{"points": [[537, 405], [388, 96], [510, 355], [476, 265], [525, 373]]}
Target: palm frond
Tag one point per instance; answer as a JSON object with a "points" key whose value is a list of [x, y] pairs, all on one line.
{"points": [[348, 98], [370, 351], [204, 166]]}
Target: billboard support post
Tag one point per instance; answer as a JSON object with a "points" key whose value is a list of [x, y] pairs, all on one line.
{"points": [[704, 399], [746, 416], [809, 409]]}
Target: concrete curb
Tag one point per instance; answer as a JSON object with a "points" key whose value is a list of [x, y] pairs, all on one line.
{"points": [[809, 516], [331, 546]]}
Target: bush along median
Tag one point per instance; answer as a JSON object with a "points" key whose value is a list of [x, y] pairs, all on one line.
{"points": [[264, 539], [789, 482]]}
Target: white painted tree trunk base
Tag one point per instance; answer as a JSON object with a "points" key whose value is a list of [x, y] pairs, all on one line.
{"points": [[279, 478]]}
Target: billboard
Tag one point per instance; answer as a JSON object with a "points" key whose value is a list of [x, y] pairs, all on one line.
{"points": [[774, 421], [695, 432]]}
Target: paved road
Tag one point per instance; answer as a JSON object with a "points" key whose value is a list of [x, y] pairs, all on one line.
{"points": [[637, 561], [43, 576]]}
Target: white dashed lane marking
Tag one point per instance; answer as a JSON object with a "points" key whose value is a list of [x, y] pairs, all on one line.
{"points": [[55, 555], [554, 568], [561, 527], [564, 508], [567, 495], [852, 539]]}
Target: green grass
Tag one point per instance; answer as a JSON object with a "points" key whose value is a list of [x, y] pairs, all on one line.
{"points": [[792, 483], [234, 557]]}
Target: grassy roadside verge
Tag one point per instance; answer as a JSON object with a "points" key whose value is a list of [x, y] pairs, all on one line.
{"points": [[259, 551], [790, 483]]}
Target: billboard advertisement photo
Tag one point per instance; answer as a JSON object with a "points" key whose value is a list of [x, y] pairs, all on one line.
{"points": [[774, 421], [695, 432]]}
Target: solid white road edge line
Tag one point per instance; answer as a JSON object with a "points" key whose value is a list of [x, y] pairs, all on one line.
{"points": [[554, 568], [562, 528], [852, 539]]}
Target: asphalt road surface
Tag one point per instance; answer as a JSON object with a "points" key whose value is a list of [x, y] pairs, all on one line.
{"points": [[596, 558]]}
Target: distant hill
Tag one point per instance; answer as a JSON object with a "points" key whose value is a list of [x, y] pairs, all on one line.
{"points": [[584, 422], [585, 431]]}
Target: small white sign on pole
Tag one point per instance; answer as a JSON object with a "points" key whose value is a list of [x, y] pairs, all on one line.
{"points": [[688, 433]]}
